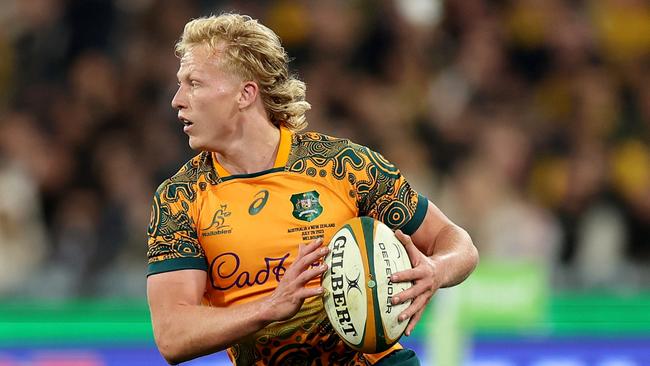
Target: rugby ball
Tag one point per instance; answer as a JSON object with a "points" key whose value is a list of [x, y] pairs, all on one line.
{"points": [[363, 254]]}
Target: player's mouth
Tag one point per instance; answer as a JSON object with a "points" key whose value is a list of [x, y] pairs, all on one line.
{"points": [[187, 124]]}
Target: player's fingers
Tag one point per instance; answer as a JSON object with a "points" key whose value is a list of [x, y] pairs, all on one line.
{"points": [[410, 293], [307, 292], [406, 275], [403, 238], [310, 273], [314, 256], [304, 261], [314, 244], [411, 249], [415, 306], [304, 249], [413, 321]]}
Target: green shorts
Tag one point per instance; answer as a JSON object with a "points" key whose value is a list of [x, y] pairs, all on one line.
{"points": [[402, 357]]}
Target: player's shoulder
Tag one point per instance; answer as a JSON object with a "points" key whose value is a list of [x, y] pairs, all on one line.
{"points": [[197, 172], [346, 154], [314, 142], [312, 151]]}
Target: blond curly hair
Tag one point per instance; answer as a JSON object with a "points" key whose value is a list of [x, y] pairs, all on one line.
{"points": [[253, 52]]}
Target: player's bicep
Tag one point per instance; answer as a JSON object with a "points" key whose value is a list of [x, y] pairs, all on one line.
{"points": [[169, 289], [168, 293], [434, 221]]}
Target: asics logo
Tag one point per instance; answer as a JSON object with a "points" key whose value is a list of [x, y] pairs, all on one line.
{"points": [[259, 202]]}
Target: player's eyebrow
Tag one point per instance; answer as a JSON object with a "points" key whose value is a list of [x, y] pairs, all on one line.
{"points": [[183, 75]]}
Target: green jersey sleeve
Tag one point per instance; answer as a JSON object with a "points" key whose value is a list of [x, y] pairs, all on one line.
{"points": [[384, 194], [172, 236]]}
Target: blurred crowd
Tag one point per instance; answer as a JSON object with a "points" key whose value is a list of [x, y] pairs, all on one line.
{"points": [[527, 122]]}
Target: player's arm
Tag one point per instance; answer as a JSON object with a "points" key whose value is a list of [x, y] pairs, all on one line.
{"points": [[184, 329], [442, 255]]}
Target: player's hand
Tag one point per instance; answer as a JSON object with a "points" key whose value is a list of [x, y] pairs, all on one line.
{"points": [[291, 292], [425, 283]]}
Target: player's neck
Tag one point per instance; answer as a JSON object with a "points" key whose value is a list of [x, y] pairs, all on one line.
{"points": [[254, 151]]}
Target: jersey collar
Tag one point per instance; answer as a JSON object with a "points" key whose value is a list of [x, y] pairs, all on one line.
{"points": [[284, 149]]}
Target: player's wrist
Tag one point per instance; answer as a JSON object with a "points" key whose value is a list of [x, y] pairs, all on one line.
{"points": [[265, 314]]}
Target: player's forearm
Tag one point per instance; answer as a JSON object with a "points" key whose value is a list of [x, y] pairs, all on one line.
{"points": [[454, 256], [190, 331]]}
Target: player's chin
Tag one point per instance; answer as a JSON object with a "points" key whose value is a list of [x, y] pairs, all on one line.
{"points": [[195, 144]]}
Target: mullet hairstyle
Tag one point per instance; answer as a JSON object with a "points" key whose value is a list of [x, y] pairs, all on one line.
{"points": [[253, 52]]}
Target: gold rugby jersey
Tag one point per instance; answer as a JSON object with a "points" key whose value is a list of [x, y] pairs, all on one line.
{"points": [[244, 231]]}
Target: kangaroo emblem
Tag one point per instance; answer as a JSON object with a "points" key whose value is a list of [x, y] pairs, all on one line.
{"points": [[219, 218]]}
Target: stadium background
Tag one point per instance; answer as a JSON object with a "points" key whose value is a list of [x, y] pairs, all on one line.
{"points": [[527, 121]]}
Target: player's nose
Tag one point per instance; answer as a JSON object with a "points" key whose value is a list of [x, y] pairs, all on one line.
{"points": [[179, 101]]}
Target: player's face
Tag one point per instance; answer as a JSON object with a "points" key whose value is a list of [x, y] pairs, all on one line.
{"points": [[206, 98]]}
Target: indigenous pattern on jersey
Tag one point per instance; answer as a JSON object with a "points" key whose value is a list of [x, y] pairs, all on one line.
{"points": [[244, 231]]}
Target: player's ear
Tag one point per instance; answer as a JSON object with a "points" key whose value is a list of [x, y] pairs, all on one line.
{"points": [[248, 94]]}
